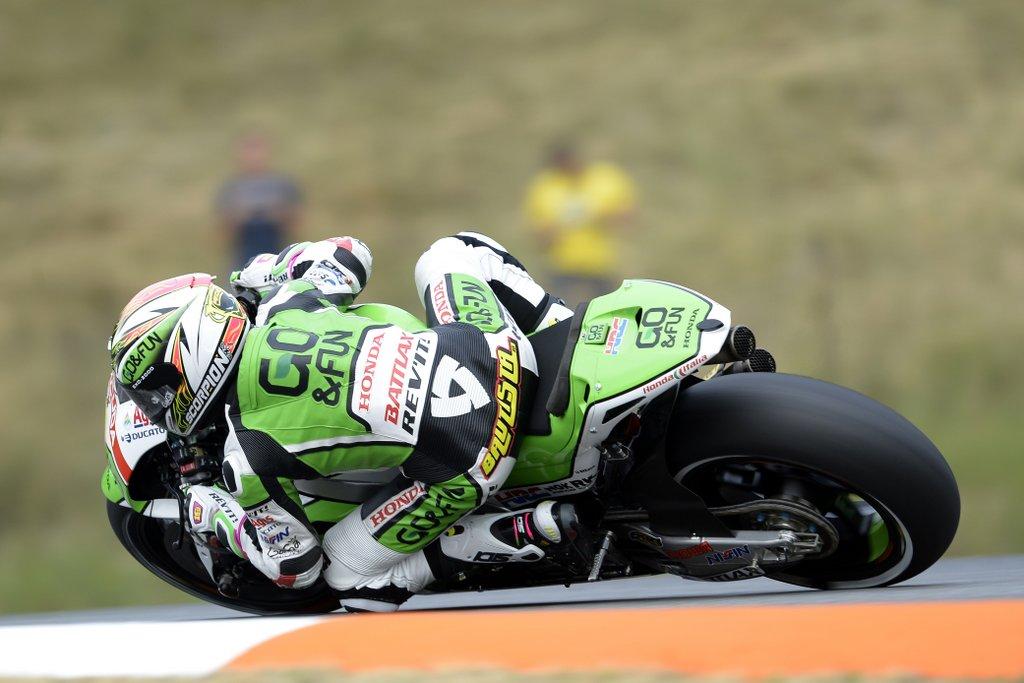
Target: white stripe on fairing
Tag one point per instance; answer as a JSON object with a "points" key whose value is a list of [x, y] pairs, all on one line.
{"points": [[183, 648], [338, 441]]}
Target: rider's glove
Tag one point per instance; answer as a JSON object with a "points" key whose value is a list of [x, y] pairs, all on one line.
{"points": [[213, 511], [266, 271]]}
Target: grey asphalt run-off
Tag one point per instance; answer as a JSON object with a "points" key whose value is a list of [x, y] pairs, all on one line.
{"points": [[969, 578]]}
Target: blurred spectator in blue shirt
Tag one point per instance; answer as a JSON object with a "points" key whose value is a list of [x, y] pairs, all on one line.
{"points": [[258, 207]]}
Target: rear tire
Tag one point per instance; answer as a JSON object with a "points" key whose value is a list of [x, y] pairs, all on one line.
{"points": [[826, 429]]}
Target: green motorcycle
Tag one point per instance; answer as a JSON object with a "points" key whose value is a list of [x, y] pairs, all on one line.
{"points": [[668, 428]]}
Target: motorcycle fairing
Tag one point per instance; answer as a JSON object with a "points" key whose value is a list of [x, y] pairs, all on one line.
{"points": [[635, 344], [128, 436]]}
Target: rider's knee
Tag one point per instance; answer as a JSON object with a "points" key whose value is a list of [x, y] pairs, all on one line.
{"points": [[357, 560], [412, 573], [353, 551]]}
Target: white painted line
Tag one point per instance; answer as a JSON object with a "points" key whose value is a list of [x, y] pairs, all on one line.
{"points": [[183, 648]]}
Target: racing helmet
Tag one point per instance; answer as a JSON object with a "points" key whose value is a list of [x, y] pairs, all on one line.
{"points": [[174, 348]]}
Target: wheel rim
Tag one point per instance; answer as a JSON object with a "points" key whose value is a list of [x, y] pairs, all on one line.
{"points": [[871, 556]]}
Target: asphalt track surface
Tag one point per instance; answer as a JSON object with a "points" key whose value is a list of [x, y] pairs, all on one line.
{"points": [[958, 579]]}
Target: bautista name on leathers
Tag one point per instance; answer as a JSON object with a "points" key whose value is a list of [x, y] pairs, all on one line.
{"points": [[321, 390]]}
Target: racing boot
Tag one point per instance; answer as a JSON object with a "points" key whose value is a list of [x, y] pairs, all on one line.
{"points": [[474, 541], [521, 536], [551, 530]]}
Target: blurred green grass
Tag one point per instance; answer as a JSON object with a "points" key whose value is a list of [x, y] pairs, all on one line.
{"points": [[847, 177]]}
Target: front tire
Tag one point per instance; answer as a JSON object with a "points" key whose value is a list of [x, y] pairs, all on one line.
{"points": [[833, 439]]}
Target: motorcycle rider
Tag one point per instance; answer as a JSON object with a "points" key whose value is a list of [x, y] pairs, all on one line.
{"points": [[308, 389]]}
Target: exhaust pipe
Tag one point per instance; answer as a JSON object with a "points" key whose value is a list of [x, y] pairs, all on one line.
{"points": [[759, 361], [739, 346]]}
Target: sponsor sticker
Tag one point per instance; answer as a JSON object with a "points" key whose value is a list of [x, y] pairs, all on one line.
{"points": [[197, 512], [135, 426], [407, 384], [691, 365], [439, 300], [728, 555], [186, 408], [139, 353], [679, 373], [660, 327], [491, 558], [369, 372], [654, 385], [645, 539], [130, 437], [506, 395], [615, 336], [450, 503], [288, 549], [689, 552], [277, 537], [396, 504], [522, 496], [111, 438], [392, 374], [225, 507], [737, 574], [136, 419], [595, 334]]}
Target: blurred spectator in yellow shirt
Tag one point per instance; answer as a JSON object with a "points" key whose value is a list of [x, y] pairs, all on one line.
{"points": [[576, 210]]}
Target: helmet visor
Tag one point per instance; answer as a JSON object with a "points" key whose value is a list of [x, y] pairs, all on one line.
{"points": [[154, 392]]}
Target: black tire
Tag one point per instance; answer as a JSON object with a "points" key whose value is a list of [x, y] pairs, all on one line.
{"points": [[825, 429], [149, 541]]}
